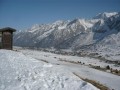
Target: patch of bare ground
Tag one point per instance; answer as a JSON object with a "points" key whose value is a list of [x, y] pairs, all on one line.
{"points": [[42, 60], [93, 82], [78, 62], [105, 69]]}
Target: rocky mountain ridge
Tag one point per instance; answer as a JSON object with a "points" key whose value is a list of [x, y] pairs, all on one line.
{"points": [[73, 35]]}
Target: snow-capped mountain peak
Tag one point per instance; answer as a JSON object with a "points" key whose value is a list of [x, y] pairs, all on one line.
{"points": [[72, 34], [105, 15]]}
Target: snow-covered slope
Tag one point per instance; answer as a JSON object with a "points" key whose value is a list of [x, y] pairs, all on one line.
{"points": [[109, 46], [53, 35], [19, 72], [74, 34], [105, 78]]}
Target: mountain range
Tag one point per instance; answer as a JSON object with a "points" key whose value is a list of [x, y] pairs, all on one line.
{"points": [[101, 33]]}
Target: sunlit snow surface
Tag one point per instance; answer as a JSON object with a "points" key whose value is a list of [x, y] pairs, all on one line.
{"points": [[105, 78], [20, 72]]}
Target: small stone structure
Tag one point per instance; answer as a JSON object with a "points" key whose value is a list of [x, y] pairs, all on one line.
{"points": [[6, 38]]}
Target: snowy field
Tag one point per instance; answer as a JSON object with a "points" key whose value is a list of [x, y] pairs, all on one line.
{"points": [[110, 80], [21, 71]]}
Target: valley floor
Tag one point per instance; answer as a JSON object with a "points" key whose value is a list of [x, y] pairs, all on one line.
{"points": [[79, 66]]}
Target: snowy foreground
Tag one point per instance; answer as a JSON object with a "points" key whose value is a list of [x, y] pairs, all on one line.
{"points": [[110, 80], [20, 72]]}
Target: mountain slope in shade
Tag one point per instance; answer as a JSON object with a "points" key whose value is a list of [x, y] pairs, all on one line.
{"points": [[74, 34]]}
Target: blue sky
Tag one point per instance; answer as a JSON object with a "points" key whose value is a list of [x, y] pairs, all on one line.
{"points": [[22, 14]]}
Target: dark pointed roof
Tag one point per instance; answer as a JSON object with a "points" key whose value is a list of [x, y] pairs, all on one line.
{"points": [[7, 29]]}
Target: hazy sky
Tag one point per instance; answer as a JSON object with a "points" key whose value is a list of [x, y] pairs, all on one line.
{"points": [[22, 14]]}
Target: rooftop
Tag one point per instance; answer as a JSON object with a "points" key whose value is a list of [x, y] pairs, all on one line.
{"points": [[7, 29]]}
